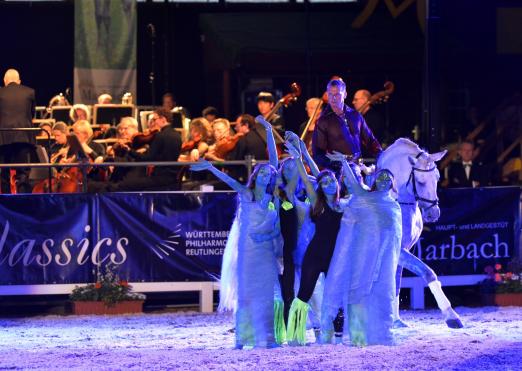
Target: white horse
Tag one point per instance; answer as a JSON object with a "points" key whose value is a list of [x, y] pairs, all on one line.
{"points": [[416, 177]]}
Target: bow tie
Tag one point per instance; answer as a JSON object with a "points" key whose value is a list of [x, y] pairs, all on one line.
{"points": [[467, 164]]}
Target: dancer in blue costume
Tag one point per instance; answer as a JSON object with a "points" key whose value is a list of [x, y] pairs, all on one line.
{"points": [[326, 213], [290, 212], [362, 272], [257, 233]]}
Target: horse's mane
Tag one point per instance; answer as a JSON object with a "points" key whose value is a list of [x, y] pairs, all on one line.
{"points": [[400, 146]]}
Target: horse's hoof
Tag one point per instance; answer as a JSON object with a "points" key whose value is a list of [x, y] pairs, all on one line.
{"points": [[454, 323], [398, 323]]}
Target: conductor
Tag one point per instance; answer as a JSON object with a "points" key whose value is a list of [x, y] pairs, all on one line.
{"points": [[17, 107]]}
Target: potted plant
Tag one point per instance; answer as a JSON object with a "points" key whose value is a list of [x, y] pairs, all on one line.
{"points": [[503, 288], [109, 295]]}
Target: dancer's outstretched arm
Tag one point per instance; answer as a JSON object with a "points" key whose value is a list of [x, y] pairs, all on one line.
{"points": [[296, 155], [350, 179], [270, 142], [234, 184]]}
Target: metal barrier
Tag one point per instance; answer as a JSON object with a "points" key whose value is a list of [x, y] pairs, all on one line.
{"points": [[249, 162]]}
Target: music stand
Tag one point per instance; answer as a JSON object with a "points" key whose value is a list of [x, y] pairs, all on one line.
{"points": [[112, 113], [144, 120], [61, 113]]}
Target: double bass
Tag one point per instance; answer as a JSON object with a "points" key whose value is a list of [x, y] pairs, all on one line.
{"points": [[295, 92], [379, 97]]}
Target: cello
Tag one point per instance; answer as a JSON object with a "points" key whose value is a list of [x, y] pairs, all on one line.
{"points": [[379, 97], [69, 179]]}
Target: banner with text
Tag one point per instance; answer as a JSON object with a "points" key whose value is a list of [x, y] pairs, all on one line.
{"points": [[105, 49], [157, 237], [477, 227], [149, 237]]}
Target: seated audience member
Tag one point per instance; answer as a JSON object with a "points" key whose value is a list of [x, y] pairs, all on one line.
{"points": [[466, 172]]}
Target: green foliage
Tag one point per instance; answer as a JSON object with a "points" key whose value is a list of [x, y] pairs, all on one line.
{"points": [[108, 288]]}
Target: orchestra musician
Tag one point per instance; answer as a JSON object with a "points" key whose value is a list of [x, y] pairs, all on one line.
{"points": [[373, 119], [104, 98], [311, 106], [120, 152], [80, 112], [59, 148], [252, 143], [224, 141], [165, 145], [198, 142], [265, 103]]}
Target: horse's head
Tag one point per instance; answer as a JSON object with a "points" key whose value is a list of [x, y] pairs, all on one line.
{"points": [[422, 183], [416, 176]]}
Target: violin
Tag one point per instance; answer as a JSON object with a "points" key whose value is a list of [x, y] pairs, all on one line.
{"points": [[140, 139], [226, 144], [189, 145], [137, 141]]}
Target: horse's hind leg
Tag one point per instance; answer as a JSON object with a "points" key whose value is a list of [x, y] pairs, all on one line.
{"points": [[417, 266]]}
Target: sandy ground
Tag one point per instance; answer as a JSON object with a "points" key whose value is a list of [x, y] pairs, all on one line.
{"points": [[491, 340]]}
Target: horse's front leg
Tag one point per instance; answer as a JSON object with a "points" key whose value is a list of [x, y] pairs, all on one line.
{"points": [[417, 266]]}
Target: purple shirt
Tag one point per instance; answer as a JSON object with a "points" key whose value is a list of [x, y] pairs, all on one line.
{"points": [[347, 134]]}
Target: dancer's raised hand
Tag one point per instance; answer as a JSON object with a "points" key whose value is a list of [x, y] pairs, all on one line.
{"points": [[292, 150], [292, 137]]}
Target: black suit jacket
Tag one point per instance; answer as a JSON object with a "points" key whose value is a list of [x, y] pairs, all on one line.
{"points": [[17, 107], [166, 146], [457, 175]]}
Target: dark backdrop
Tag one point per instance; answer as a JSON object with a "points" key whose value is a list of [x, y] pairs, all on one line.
{"points": [[198, 47]]}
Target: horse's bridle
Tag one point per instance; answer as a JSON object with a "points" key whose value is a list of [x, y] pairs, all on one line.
{"points": [[413, 181]]}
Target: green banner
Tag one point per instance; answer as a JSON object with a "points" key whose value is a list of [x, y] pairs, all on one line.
{"points": [[105, 49]]}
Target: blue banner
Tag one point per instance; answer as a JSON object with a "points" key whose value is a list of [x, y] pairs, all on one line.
{"points": [[161, 237], [477, 227], [53, 239]]}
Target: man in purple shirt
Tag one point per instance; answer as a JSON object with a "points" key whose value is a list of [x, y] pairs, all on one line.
{"points": [[341, 128]]}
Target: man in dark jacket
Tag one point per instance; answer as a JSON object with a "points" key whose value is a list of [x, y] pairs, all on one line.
{"points": [[342, 129], [165, 146], [17, 107], [466, 172]]}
